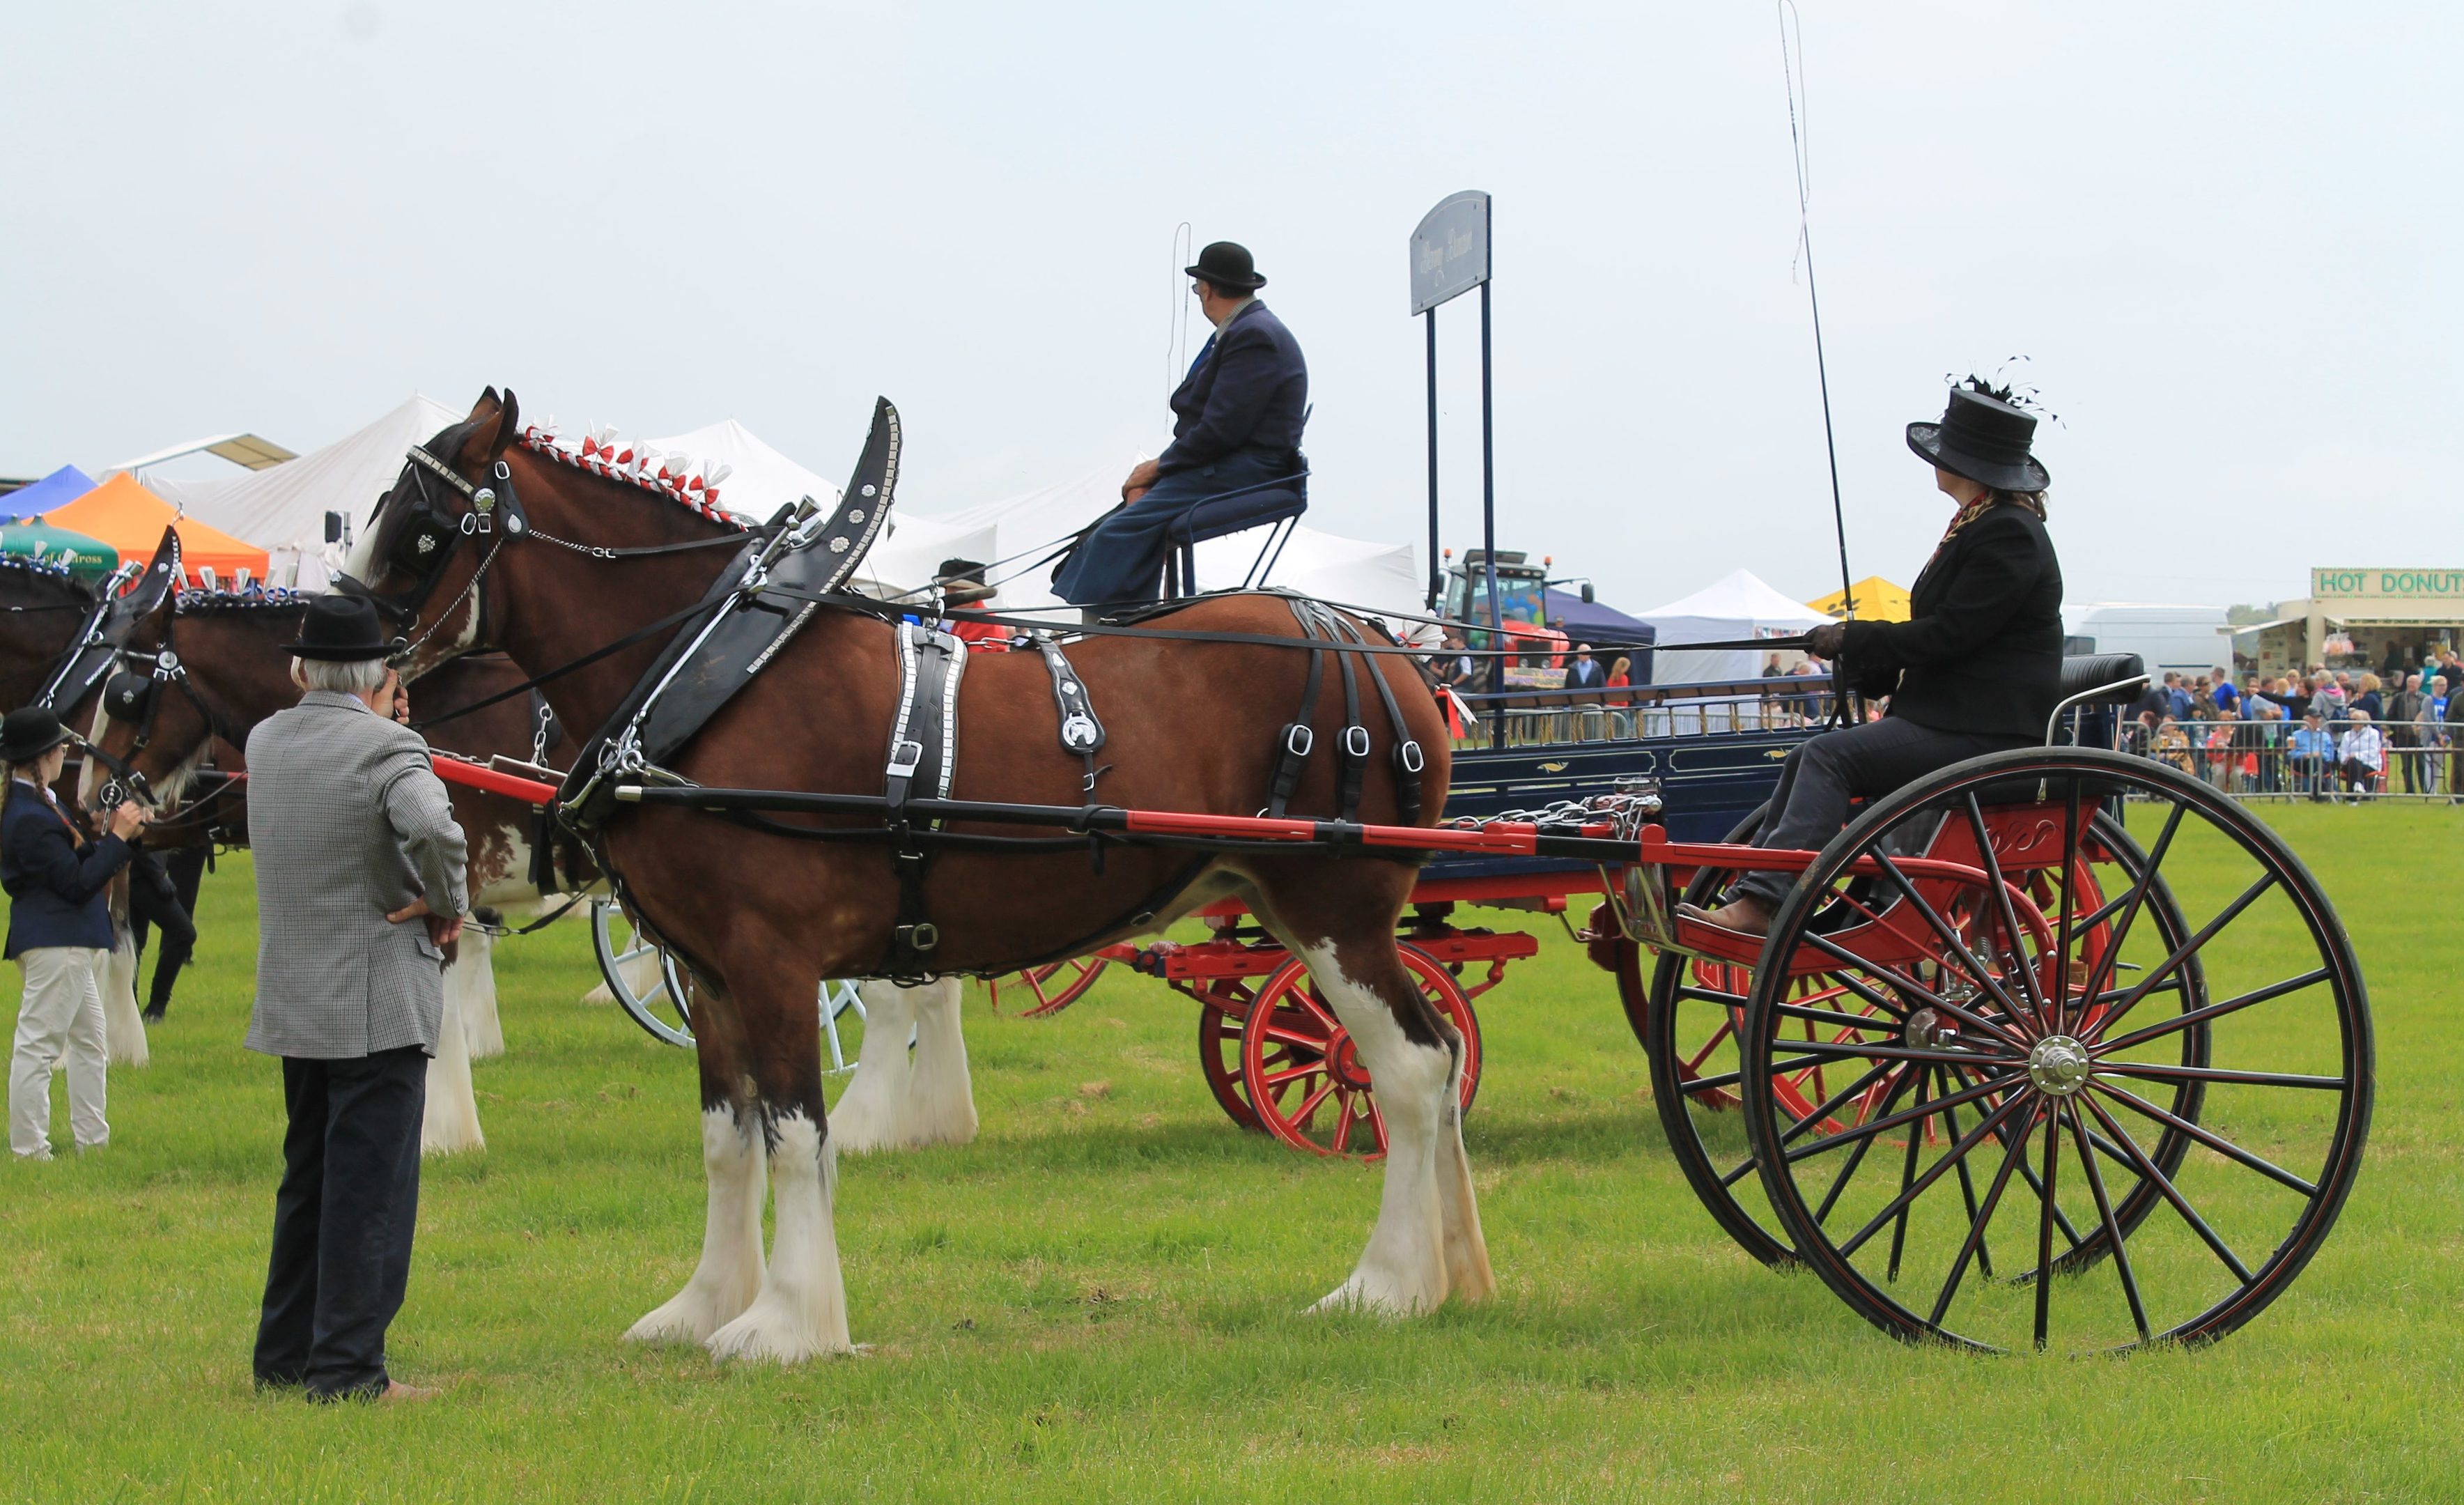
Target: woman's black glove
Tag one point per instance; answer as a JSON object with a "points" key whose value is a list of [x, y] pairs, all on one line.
{"points": [[1826, 641]]}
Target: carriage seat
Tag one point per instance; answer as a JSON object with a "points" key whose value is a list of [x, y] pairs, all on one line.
{"points": [[2085, 672], [1275, 507]]}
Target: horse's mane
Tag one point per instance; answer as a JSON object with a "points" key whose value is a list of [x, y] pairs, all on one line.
{"points": [[683, 482], [198, 603], [44, 572]]}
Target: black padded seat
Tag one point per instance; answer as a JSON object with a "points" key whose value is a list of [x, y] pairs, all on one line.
{"points": [[1274, 507], [2085, 672], [1218, 515]]}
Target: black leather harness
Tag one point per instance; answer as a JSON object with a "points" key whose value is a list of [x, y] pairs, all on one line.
{"points": [[923, 756]]}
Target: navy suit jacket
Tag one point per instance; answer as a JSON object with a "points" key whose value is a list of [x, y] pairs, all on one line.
{"points": [[54, 883], [1248, 389], [1981, 650]]}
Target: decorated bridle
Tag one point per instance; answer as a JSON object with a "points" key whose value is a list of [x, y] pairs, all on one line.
{"points": [[135, 695]]}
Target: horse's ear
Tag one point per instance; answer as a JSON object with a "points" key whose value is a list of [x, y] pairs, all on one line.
{"points": [[491, 428]]}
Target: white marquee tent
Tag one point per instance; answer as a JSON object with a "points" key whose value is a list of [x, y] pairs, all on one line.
{"points": [[1380, 576], [1736, 605], [282, 509]]}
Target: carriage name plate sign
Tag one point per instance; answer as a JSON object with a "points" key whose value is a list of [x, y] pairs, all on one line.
{"points": [[1450, 250]]}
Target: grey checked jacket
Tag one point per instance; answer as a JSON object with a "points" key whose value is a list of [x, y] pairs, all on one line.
{"points": [[349, 822]]}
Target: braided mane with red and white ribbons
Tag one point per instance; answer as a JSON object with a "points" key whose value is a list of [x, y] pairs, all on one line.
{"points": [[676, 476]]}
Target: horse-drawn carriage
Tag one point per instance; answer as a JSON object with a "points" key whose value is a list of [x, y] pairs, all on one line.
{"points": [[2040, 1016]]}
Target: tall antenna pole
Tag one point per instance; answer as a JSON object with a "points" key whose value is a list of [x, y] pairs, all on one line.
{"points": [[1791, 73]]}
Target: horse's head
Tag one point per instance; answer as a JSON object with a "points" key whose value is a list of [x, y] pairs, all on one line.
{"points": [[152, 726], [433, 534]]}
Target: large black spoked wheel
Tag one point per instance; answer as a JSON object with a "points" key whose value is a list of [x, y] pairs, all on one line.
{"points": [[2118, 1110], [1693, 1031]]}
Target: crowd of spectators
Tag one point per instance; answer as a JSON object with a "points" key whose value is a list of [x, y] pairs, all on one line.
{"points": [[2344, 733]]}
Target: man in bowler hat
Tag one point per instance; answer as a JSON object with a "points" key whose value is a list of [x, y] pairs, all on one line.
{"points": [[1236, 424], [361, 889]]}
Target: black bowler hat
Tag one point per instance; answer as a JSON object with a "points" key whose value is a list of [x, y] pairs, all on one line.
{"points": [[1984, 440], [1228, 265], [28, 732], [341, 629]]}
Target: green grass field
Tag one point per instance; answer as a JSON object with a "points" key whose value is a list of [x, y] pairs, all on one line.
{"points": [[1100, 1298]]}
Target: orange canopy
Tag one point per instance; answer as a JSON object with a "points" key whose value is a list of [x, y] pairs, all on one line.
{"points": [[130, 519]]}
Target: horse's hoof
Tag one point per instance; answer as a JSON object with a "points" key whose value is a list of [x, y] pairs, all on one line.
{"points": [[1371, 1299], [767, 1335]]}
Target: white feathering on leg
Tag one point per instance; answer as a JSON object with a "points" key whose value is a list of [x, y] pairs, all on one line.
{"points": [[941, 1094], [123, 1027], [480, 1024], [872, 1113], [801, 1310], [451, 1123], [730, 1274]]}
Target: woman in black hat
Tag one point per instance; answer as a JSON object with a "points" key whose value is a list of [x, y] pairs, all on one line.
{"points": [[1975, 668], [59, 928]]}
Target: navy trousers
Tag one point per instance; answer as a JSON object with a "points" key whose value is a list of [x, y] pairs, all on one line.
{"points": [[1121, 558], [1862, 761], [342, 1221]]}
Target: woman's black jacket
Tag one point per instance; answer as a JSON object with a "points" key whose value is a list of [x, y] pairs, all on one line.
{"points": [[1982, 651]]}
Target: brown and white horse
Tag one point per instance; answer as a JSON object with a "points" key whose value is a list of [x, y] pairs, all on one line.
{"points": [[762, 917]]}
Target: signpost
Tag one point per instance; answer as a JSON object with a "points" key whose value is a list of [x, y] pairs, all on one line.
{"points": [[1451, 258]]}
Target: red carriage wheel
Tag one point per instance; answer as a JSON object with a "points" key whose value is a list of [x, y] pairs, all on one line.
{"points": [[1223, 1019], [1045, 989], [1303, 1074]]}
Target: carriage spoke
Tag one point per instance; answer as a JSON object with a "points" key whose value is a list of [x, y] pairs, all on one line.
{"points": [[1975, 967], [1822, 1111], [2188, 948], [2061, 972], [2220, 1074], [1976, 1226], [1856, 1157], [2164, 1187], [1909, 985], [1893, 1121], [1308, 1104], [2132, 902], [2001, 890], [1934, 1172], [2046, 1212], [1861, 1049], [1908, 1173], [1343, 1121], [2260, 995], [1968, 1190], [1702, 1084], [1726, 1032], [1839, 1020], [2112, 1225], [2208, 1137]]}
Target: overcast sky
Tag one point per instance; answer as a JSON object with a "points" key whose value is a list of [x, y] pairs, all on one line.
{"points": [[2219, 233]]}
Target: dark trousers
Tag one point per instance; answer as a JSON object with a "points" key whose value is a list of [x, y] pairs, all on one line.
{"points": [[174, 917], [342, 1221], [1862, 761], [1121, 558]]}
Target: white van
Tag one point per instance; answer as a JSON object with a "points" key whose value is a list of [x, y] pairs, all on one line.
{"points": [[2190, 639]]}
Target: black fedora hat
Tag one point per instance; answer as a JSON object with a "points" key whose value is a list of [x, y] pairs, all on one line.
{"points": [[1228, 265], [341, 629], [1984, 440], [28, 732]]}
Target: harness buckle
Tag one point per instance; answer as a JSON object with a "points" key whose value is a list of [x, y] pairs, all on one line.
{"points": [[1299, 740], [1355, 741], [920, 937], [1410, 753], [906, 756]]}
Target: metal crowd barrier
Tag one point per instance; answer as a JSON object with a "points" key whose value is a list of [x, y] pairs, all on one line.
{"points": [[2265, 760], [1639, 713]]}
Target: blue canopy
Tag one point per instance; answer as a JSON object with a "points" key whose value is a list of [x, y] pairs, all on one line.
{"points": [[58, 489], [1589, 619]]}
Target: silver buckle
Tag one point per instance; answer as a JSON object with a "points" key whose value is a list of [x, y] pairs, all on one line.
{"points": [[906, 756]]}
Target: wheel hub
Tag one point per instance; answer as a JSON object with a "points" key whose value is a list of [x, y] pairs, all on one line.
{"points": [[2058, 1064], [1344, 1061]]}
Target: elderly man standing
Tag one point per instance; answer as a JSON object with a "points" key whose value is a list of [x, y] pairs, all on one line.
{"points": [[359, 890]]}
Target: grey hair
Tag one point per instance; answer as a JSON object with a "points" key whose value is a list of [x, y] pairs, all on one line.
{"points": [[345, 677]]}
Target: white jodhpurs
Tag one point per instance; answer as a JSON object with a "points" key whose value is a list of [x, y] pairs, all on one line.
{"points": [[61, 1013]]}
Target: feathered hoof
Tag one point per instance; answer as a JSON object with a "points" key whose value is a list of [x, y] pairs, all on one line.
{"points": [[769, 1332], [1372, 1294], [691, 1317]]}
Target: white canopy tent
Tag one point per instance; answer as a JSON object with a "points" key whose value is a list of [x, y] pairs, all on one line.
{"points": [[1738, 605], [281, 509], [1380, 576]]}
